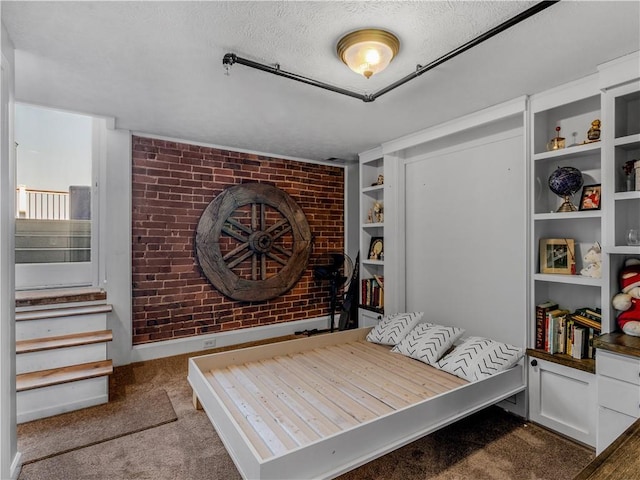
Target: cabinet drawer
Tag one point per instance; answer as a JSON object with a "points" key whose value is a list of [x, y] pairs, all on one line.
{"points": [[610, 425], [368, 319], [621, 367], [620, 396]]}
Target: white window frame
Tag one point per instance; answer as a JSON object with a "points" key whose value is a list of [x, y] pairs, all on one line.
{"points": [[30, 276]]}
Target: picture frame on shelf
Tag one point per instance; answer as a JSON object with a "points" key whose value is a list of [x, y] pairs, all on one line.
{"points": [[557, 256], [591, 197], [376, 249]]}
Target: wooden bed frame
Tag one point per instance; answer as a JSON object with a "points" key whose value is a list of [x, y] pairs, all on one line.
{"points": [[264, 402]]}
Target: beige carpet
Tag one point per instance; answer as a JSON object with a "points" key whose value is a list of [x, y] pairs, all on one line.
{"points": [[490, 445], [70, 431]]}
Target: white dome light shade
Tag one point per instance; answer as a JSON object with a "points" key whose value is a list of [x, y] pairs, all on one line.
{"points": [[368, 51]]}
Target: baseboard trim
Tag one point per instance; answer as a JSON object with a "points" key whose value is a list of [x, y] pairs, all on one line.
{"points": [[16, 466], [169, 348]]}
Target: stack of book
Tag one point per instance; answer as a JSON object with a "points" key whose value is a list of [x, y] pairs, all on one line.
{"points": [[373, 292], [559, 331], [586, 323]]}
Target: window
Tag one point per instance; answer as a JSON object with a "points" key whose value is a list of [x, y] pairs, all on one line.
{"points": [[55, 202]]}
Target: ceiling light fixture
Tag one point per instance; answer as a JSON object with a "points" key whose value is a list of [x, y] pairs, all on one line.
{"points": [[230, 59], [368, 51]]}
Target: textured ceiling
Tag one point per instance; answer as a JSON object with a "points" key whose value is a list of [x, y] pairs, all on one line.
{"points": [[157, 66]]}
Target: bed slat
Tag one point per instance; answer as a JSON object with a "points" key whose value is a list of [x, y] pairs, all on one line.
{"points": [[326, 390], [338, 417], [381, 375], [261, 447], [352, 372], [258, 418], [296, 403], [419, 370], [249, 376]]}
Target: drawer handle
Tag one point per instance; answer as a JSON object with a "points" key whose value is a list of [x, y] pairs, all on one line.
{"points": [[534, 363]]}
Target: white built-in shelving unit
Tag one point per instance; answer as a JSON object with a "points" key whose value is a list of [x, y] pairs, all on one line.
{"points": [[371, 191], [563, 392]]}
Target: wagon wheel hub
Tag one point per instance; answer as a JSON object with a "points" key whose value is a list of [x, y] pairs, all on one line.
{"points": [[260, 242]]}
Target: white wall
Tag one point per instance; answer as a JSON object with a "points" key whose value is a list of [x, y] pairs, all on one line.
{"points": [[9, 456], [115, 238]]}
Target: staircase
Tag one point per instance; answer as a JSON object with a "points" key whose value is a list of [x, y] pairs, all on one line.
{"points": [[61, 351]]}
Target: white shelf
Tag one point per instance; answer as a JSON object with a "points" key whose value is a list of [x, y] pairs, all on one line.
{"points": [[569, 152], [623, 250], [373, 225], [567, 215], [372, 262], [373, 188], [570, 279], [631, 141], [627, 195]]}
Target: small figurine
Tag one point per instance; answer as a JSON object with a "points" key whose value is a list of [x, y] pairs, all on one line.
{"points": [[379, 181], [557, 142], [377, 212], [593, 135], [370, 216]]}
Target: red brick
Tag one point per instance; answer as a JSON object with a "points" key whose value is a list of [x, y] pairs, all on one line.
{"points": [[172, 185]]}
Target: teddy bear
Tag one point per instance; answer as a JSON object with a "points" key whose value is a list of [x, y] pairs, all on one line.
{"points": [[628, 302], [593, 262]]}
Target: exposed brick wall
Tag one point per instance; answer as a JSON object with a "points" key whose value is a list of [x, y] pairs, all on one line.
{"points": [[172, 185]]}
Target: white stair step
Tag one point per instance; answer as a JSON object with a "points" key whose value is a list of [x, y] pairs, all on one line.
{"points": [[63, 341], [54, 376]]}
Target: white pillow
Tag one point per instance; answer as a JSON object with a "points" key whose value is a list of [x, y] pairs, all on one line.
{"points": [[427, 342], [394, 328], [477, 358]]}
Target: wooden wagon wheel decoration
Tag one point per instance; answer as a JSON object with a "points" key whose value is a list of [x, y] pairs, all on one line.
{"points": [[253, 242]]}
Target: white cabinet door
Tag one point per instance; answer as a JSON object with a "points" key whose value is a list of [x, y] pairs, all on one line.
{"points": [[563, 399]]}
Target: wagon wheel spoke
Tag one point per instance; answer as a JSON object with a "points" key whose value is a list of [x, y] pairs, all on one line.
{"points": [[277, 225], [283, 251], [238, 225], [235, 251], [282, 232], [276, 258], [240, 259]]}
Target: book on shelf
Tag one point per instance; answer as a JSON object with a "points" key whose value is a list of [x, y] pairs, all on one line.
{"points": [[553, 330], [579, 342], [541, 316], [569, 330], [591, 351], [586, 322], [372, 294], [591, 313]]}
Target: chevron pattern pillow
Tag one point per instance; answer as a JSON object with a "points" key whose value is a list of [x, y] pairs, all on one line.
{"points": [[394, 328], [427, 342], [477, 358]]}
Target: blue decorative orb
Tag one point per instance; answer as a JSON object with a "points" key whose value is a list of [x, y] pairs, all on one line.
{"points": [[565, 181]]}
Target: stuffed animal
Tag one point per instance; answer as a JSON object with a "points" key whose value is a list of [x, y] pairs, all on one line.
{"points": [[628, 302], [593, 262]]}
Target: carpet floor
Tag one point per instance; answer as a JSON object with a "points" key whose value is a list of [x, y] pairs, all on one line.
{"points": [[491, 444], [68, 432]]}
